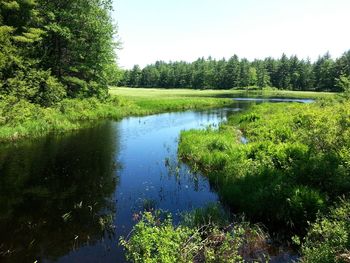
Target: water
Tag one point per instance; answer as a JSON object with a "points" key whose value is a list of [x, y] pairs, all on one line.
{"points": [[68, 198], [274, 100]]}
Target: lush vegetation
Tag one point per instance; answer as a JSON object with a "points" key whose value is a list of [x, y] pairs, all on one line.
{"points": [[52, 50], [328, 239], [293, 166], [20, 118], [204, 235], [168, 94], [288, 73], [57, 60]]}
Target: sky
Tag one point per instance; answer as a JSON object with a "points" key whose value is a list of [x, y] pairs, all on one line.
{"points": [[174, 30]]}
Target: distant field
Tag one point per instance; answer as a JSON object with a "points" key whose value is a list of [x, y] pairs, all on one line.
{"points": [[150, 93]]}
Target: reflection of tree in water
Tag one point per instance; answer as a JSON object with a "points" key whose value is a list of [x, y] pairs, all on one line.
{"points": [[56, 194]]}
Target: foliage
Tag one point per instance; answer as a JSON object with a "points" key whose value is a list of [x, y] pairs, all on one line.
{"points": [[20, 118], [344, 85], [37, 87], [292, 166], [328, 240], [210, 214], [155, 239], [287, 73], [52, 49]]}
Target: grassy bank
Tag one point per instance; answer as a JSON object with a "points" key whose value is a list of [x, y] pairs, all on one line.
{"points": [[291, 167], [295, 164], [148, 93], [20, 119]]}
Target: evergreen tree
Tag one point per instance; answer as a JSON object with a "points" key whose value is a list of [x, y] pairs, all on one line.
{"points": [[283, 73], [324, 71], [52, 48]]}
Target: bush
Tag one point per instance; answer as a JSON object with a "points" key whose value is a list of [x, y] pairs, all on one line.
{"points": [[155, 239], [35, 86], [295, 163], [328, 239], [79, 88]]}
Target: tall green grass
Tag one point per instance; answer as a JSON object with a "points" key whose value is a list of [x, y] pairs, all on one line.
{"points": [[141, 93], [296, 161], [21, 119]]}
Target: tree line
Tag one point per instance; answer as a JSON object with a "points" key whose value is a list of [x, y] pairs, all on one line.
{"points": [[290, 73], [50, 50]]}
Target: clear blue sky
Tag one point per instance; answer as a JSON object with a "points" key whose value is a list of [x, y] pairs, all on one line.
{"points": [[167, 30]]}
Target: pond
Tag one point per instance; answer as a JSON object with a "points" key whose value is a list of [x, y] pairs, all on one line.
{"points": [[68, 198]]}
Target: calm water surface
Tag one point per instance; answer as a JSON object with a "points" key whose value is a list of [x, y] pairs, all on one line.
{"points": [[68, 198]]}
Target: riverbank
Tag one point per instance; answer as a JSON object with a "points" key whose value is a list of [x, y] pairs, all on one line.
{"points": [[149, 93], [21, 119], [291, 167]]}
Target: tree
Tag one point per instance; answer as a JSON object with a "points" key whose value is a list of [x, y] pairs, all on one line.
{"points": [[232, 71], [262, 76], [283, 70], [244, 74], [253, 78], [283, 73], [135, 76], [324, 71], [20, 74], [50, 48], [343, 83], [79, 45]]}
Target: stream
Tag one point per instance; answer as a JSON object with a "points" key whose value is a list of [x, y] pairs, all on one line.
{"points": [[69, 198]]}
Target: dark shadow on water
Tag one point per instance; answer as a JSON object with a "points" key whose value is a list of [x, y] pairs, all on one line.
{"points": [[55, 194], [68, 198]]}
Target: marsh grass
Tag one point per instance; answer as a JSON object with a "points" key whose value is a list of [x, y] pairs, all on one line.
{"points": [[143, 93], [21, 119], [295, 164]]}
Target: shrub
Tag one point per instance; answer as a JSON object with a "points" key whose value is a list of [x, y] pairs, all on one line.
{"points": [[35, 86], [328, 239], [295, 163], [155, 239]]}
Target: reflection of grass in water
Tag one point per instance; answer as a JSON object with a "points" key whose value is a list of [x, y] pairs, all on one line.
{"points": [[172, 166], [180, 171], [106, 223]]}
